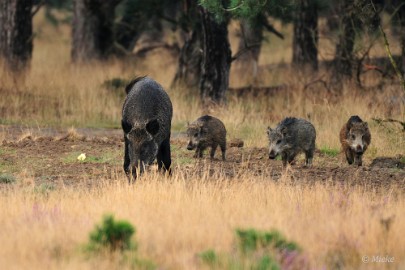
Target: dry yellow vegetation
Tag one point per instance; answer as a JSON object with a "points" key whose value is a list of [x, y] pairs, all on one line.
{"points": [[178, 217]]}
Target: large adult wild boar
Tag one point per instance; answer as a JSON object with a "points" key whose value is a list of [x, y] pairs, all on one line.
{"points": [[146, 122]]}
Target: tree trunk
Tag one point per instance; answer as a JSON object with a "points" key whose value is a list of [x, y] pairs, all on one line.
{"points": [[16, 33], [129, 28], [305, 41], [401, 15], [251, 42], [344, 49], [216, 58], [93, 36], [151, 33], [189, 68]]}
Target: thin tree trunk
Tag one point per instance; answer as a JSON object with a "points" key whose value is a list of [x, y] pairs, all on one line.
{"points": [[216, 60], [129, 28], [93, 36], [251, 41], [189, 68], [16, 33], [401, 15], [344, 49], [305, 41]]}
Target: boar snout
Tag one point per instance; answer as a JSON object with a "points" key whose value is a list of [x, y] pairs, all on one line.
{"points": [[190, 146], [359, 149], [272, 155]]}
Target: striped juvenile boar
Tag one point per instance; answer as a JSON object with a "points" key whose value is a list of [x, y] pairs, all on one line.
{"points": [[146, 122], [289, 138], [355, 137], [206, 131]]}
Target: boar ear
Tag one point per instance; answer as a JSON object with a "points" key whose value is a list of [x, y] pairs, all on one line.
{"points": [[284, 131], [126, 126], [152, 127]]}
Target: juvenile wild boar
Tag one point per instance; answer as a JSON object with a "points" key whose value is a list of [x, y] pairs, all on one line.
{"points": [[206, 131], [355, 137], [290, 137], [146, 122]]}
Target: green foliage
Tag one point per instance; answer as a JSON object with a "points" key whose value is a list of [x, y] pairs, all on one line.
{"points": [[136, 263], [329, 151], [7, 178], [257, 250], [266, 263], [250, 9], [209, 257], [251, 240], [112, 235]]}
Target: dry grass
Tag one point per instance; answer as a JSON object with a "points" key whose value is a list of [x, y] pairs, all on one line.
{"points": [[180, 217], [177, 218], [55, 92]]}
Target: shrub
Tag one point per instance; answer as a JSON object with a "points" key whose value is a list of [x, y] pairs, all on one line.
{"points": [[258, 250], [113, 235], [7, 178], [251, 240]]}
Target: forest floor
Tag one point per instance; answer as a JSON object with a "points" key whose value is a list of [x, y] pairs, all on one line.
{"points": [[48, 157]]}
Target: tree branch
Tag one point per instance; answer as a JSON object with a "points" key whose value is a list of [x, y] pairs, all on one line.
{"points": [[37, 8], [271, 29], [390, 120], [388, 50]]}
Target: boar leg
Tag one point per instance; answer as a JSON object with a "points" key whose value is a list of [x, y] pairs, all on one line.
{"points": [[358, 160], [284, 158], [127, 161], [163, 157], [213, 149], [223, 149], [308, 157], [349, 156], [199, 151]]}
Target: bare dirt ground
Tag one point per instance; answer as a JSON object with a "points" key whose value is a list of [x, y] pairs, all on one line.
{"points": [[49, 156]]}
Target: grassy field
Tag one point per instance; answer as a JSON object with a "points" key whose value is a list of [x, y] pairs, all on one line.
{"points": [[336, 222]]}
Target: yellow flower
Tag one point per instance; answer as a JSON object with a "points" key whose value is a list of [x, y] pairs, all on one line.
{"points": [[81, 157]]}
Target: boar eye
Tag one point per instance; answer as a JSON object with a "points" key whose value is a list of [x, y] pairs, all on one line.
{"points": [[278, 142], [353, 137], [196, 135]]}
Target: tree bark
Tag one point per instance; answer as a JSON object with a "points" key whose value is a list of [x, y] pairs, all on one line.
{"points": [[216, 58], [189, 68], [305, 41], [344, 49], [251, 41], [16, 33], [401, 15], [129, 28], [93, 35]]}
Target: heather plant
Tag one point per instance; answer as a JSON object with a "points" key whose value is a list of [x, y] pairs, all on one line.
{"points": [[261, 250]]}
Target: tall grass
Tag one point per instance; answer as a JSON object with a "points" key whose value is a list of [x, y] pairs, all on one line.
{"points": [[177, 218], [56, 92]]}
